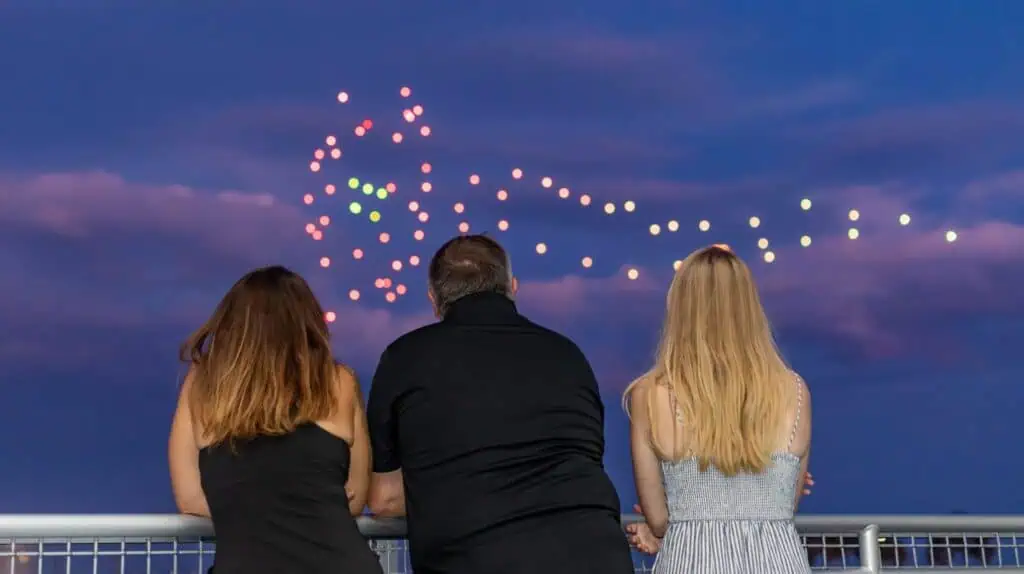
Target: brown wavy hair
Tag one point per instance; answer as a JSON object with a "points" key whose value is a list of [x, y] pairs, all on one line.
{"points": [[262, 363]]}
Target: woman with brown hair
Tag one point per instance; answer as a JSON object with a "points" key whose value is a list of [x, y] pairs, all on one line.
{"points": [[269, 438], [720, 430]]}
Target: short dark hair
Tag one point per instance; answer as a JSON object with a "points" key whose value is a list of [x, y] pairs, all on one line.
{"points": [[465, 265]]}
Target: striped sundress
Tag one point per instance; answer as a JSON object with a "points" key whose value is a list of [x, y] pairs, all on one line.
{"points": [[741, 524]]}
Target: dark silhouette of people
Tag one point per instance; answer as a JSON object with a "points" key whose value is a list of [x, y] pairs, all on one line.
{"points": [[488, 434]]}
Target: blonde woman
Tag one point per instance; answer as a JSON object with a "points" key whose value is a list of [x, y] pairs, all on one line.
{"points": [[270, 436], [720, 431]]}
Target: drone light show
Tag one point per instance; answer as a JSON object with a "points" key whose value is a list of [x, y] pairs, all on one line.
{"points": [[404, 210]]}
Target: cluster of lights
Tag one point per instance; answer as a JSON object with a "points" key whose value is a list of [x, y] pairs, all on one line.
{"points": [[412, 119]]}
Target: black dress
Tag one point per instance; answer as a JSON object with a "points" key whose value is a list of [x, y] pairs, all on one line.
{"points": [[279, 506]]}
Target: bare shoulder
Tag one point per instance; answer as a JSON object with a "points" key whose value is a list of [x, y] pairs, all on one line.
{"points": [[346, 379]]}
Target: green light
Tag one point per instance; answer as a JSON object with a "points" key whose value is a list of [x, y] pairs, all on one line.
{"points": [[382, 193], [368, 188], [355, 208], [375, 216], [353, 183]]}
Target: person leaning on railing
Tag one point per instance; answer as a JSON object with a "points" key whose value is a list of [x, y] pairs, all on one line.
{"points": [[720, 431], [269, 438], [489, 430]]}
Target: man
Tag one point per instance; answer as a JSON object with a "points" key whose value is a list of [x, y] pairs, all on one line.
{"points": [[488, 434]]}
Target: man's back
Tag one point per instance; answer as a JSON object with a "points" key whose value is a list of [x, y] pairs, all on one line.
{"points": [[497, 426]]}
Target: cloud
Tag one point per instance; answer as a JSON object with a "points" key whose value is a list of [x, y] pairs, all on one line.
{"points": [[939, 139], [876, 293]]}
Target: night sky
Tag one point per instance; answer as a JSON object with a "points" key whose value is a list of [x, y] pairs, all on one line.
{"points": [[150, 156]]}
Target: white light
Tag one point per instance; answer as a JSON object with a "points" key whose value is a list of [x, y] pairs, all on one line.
{"points": [[853, 233], [755, 222], [655, 229], [769, 256], [805, 204], [704, 225], [805, 241], [762, 243], [951, 236], [854, 215], [673, 225], [904, 219], [632, 274]]}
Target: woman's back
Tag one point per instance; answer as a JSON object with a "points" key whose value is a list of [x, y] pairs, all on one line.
{"points": [[279, 505], [269, 438], [739, 523]]}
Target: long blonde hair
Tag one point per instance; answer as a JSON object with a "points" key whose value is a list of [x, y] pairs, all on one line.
{"points": [[262, 363], [719, 361]]}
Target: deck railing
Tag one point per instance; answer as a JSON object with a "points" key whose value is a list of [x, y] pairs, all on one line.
{"points": [[175, 544]]}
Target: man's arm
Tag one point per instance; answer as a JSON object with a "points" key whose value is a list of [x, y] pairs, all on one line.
{"points": [[387, 490]]}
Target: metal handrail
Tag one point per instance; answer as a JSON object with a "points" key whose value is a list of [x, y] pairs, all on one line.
{"points": [[178, 525], [114, 527]]}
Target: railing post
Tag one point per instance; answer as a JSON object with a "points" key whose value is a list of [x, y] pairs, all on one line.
{"points": [[870, 557]]}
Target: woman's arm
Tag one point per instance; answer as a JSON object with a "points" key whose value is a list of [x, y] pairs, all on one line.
{"points": [[358, 483], [183, 459], [646, 465]]}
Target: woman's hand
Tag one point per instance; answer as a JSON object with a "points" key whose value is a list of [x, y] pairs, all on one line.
{"points": [[808, 483], [641, 537]]}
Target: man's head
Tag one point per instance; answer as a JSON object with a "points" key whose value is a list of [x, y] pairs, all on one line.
{"points": [[465, 265]]}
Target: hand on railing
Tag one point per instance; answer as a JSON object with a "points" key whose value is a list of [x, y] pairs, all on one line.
{"points": [[808, 482], [641, 537]]}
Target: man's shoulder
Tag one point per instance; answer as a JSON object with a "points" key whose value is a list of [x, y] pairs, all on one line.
{"points": [[557, 340], [414, 339]]}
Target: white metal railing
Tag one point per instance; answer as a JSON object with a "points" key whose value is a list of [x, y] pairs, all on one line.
{"points": [[175, 544]]}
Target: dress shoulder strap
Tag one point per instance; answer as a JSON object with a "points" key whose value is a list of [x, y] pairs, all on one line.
{"points": [[798, 382]]}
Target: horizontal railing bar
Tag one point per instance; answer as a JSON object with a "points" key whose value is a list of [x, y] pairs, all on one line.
{"points": [[119, 526]]}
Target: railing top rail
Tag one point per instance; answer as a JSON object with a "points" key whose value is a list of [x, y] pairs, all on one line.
{"points": [[177, 525]]}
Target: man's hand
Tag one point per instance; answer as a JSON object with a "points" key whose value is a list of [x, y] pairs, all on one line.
{"points": [[641, 537], [808, 483]]}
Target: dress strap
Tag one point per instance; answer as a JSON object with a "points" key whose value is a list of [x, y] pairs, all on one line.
{"points": [[799, 407]]}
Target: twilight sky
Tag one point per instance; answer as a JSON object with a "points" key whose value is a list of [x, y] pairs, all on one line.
{"points": [[150, 156]]}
